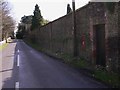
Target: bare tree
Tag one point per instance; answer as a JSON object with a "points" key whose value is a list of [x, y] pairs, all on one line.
{"points": [[7, 23], [0, 20]]}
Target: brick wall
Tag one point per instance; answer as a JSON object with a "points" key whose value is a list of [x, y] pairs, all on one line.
{"points": [[57, 36], [112, 39]]}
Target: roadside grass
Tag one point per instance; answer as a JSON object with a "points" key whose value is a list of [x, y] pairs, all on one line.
{"points": [[110, 78], [3, 46]]}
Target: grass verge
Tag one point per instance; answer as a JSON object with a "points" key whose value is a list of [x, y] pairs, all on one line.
{"points": [[110, 78], [3, 46]]}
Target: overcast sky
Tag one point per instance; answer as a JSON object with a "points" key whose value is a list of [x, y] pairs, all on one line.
{"points": [[50, 9]]}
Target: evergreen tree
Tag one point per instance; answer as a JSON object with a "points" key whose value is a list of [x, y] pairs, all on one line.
{"points": [[37, 18], [68, 9]]}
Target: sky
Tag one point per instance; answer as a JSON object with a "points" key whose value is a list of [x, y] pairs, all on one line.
{"points": [[50, 9]]}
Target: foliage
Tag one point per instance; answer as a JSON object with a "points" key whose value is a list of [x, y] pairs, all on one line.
{"points": [[21, 31], [3, 46], [12, 35], [44, 22], [37, 18], [108, 77], [19, 35], [7, 22], [33, 21], [24, 26], [27, 19], [68, 9]]}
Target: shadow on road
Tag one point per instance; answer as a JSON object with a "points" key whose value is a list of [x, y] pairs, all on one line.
{"points": [[6, 70], [10, 81]]}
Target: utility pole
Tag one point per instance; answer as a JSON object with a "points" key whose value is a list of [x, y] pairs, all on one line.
{"points": [[74, 28]]}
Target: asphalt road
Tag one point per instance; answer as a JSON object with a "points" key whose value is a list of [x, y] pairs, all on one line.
{"points": [[24, 67]]}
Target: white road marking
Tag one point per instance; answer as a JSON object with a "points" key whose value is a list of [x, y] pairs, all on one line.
{"points": [[18, 51], [17, 86], [18, 58]]}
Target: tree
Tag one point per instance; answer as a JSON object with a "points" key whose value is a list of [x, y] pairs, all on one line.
{"points": [[26, 19], [21, 31], [19, 35], [7, 23], [8, 27], [68, 9], [0, 20], [25, 24], [12, 35], [44, 22], [37, 18]]}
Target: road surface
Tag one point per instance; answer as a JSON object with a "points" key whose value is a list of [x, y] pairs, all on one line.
{"points": [[24, 67]]}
